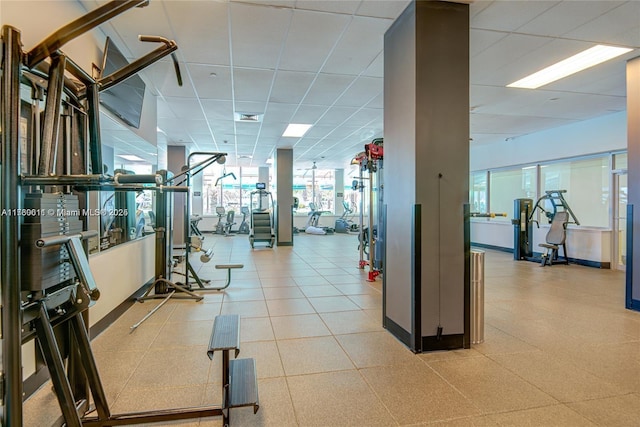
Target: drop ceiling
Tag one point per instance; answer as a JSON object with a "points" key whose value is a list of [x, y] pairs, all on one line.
{"points": [[321, 62]]}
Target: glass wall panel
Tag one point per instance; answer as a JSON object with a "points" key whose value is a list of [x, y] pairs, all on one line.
{"points": [[587, 185], [478, 192], [508, 185]]}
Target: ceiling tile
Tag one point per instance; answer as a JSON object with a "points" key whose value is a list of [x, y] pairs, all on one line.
{"points": [[347, 60], [201, 30], [251, 84], [382, 8], [342, 7], [510, 15], [327, 88], [290, 86], [208, 86], [361, 92], [310, 40], [618, 26], [253, 24]]}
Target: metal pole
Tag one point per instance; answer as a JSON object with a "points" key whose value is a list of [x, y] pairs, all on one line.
{"points": [[371, 239], [361, 230], [477, 297], [11, 313], [51, 123], [95, 144]]}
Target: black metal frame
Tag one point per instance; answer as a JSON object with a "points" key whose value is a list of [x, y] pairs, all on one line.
{"points": [[73, 384]]}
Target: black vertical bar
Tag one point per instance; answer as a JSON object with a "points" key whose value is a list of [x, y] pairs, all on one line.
{"points": [[629, 265], [95, 144], [416, 280], [90, 367], [162, 234], [59, 379], [51, 123], [226, 388], [10, 267], [466, 341], [384, 264]]}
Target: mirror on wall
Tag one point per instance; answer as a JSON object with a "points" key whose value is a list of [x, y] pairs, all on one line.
{"points": [[123, 216]]}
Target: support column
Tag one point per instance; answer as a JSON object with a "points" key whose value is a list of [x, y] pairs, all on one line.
{"points": [[339, 191], [426, 176], [633, 170], [176, 159], [283, 165]]}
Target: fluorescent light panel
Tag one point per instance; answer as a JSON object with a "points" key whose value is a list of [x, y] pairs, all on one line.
{"points": [[296, 130], [581, 61], [131, 157]]}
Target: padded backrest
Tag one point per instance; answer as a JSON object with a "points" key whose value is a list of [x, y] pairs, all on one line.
{"points": [[230, 216], [557, 233]]}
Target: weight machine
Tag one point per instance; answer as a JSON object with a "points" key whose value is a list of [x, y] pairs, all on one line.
{"points": [[371, 161], [47, 285], [549, 204]]}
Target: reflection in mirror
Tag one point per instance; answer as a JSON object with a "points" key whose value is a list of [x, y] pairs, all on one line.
{"points": [[124, 216]]}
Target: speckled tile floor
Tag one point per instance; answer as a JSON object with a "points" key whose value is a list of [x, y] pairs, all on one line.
{"points": [[559, 350]]}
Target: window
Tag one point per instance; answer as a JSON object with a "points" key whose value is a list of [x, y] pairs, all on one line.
{"points": [[508, 185], [314, 186], [478, 192], [587, 184]]}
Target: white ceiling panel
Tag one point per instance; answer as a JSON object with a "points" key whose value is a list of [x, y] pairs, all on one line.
{"points": [[309, 114], [337, 115], [210, 81], [201, 30], [347, 7], [376, 69], [361, 92], [280, 113], [382, 8], [618, 26], [514, 125], [248, 129], [310, 40], [327, 88], [291, 87], [272, 130], [347, 60], [252, 84], [215, 109], [567, 16], [365, 116], [186, 108], [479, 40], [252, 25], [319, 131], [510, 15], [510, 51]]}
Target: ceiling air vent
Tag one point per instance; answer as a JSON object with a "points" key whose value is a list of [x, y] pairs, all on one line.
{"points": [[248, 117]]}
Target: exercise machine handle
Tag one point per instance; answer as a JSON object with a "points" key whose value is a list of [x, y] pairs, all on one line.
{"points": [[158, 39], [61, 240]]}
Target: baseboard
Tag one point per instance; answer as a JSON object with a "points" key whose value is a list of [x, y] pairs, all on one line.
{"points": [[538, 255], [445, 342]]}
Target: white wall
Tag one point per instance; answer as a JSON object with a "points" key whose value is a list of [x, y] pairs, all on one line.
{"points": [[607, 133], [119, 272]]}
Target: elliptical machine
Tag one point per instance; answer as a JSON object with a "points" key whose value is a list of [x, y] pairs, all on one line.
{"points": [[244, 225], [344, 225]]}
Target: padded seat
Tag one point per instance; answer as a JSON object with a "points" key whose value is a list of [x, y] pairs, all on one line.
{"points": [[556, 238]]}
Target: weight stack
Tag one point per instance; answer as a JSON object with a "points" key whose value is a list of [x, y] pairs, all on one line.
{"points": [[46, 215]]}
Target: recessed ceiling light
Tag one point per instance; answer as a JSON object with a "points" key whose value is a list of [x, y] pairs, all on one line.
{"points": [[296, 130], [581, 61], [131, 157]]}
